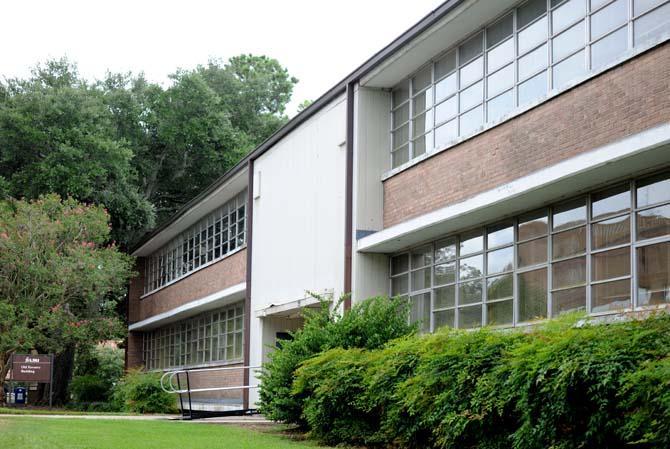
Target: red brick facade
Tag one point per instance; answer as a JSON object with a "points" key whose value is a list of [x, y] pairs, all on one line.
{"points": [[623, 101]]}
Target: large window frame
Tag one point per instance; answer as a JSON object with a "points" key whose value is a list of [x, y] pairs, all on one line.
{"points": [[213, 237], [409, 140], [598, 240]]}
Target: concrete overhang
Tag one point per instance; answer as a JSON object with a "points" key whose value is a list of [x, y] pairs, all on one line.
{"points": [[292, 309], [216, 300], [646, 151], [201, 208]]}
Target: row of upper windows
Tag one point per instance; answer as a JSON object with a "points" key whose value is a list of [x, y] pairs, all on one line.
{"points": [[540, 46], [607, 251], [214, 236]]}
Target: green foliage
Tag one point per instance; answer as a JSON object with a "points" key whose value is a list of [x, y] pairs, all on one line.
{"points": [[89, 388], [567, 384], [140, 392], [97, 371], [369, 324]]}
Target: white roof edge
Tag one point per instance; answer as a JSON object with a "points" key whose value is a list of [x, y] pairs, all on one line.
{"points": [[274, 309], [625, 147], [191, 308]]}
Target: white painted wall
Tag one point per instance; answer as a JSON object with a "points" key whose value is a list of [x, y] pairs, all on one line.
{"points": [[298, 224]]}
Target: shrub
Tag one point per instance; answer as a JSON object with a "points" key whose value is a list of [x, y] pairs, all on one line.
{"points": [[97, 370], [369, 324], [89, 388], [140, 392]]}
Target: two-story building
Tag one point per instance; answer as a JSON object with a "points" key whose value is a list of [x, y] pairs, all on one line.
{"points": [[498, 164]]}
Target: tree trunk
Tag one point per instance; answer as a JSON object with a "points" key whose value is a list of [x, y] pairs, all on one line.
{"points": [[4, 369], [62, 369]]}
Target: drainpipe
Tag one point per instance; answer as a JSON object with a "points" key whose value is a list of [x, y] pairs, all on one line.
{"points": [[247, 301], [349, 196]]}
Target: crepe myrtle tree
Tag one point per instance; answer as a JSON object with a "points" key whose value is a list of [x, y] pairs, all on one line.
{"points": [[60, 280]]}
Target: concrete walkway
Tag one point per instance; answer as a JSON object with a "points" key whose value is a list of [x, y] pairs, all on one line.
{"points": [[245, 420]]}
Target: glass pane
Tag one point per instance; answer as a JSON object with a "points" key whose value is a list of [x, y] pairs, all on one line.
{"points": [[532, 62], [423, 101], [533, 225], [422, 79], [610, 296], [472, 120], [653, 190], [422, 256], [569, 273], [446, 133], [500, 55], [445, 297], [652, 25], [399, 157], [530, 11], [569, 70], [502, 80], [566, 14], [472, 96], [609, 48], [500, 260], [499, 31], [472, 72], [445, 273], [533, 89], [568, 41], [421, 279], [446, 87], [471, 242], [446, 109], [653, 275], [500, 105], [595, 4], [400, 116], [400, 93], [399, 264], [569, 215], [423, 144], [445, 65], [610, 264], [471, 48], [569, 243], [640, 6], [610, 202], [499, 235], [532, 36], [565, 301], [500, 313], [533, 295], [444, 318], [614, 231], [445, 250], [400, 136], [469, 317], [420, 311], [472, 267], [422, 124], [532, 252], [470, 292], [653, 222], [609, 18], [500, 287]]}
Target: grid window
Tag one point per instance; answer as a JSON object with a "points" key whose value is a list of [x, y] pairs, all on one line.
{"points": [[214, 236], [604, 252], [537, 47], [208, 338]]}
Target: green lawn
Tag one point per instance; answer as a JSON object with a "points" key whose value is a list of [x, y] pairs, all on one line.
{"points": [[50, 433]]}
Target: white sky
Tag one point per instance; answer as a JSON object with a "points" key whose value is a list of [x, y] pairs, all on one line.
{"points": [[319, 41]]}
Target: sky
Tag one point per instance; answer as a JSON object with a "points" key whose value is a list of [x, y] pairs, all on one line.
{"points": [[318, 41]]}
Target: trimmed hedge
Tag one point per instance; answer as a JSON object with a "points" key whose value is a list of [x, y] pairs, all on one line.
{"points": [[567, 384], [140, 392]]}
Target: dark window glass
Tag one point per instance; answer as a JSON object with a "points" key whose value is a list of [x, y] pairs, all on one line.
{"points": [[653, 274], [612, 232], [399, 264], [470, 292], [445, 297], [499, 287], [610, 202], [569, 273], [533, 225], [653, 222], [532, 253], [570, 300], [445, 273], [610, 264], [610, 296], [444, 318], [569, 243], [653, 190], [500, 313], [569, 215], [533, 295], [469, 317]]}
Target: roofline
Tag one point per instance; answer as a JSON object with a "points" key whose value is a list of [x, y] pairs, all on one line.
{"points": [[340, 88]]}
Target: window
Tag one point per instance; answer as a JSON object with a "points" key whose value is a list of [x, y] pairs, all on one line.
{"points": [[214, 236], [211, 337], [540, 46], [603, 252]]}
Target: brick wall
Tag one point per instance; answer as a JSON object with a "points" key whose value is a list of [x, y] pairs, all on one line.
{"points": [[134, 356], [223, 274], [626, 100]]}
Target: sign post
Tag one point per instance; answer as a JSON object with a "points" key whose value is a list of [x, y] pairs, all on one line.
{"points": [[34, 368]]}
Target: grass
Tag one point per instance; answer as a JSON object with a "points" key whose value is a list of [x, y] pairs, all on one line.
{"points": [[55, 433], [55, 411]]}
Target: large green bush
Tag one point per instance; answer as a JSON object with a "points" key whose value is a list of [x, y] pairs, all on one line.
{"points": [[140, 392], [568, 384], [369, 324], [97, 371]]}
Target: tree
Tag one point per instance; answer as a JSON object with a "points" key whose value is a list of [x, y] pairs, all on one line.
{"points": [[59, 279], [304, 105]]}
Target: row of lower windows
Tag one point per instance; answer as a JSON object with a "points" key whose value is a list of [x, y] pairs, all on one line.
{"points": [[214, 236], [211, 337], [602, 252], [538, 46]]}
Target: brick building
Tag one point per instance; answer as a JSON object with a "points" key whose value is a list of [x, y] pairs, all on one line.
{"points": [[499, 164]]}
